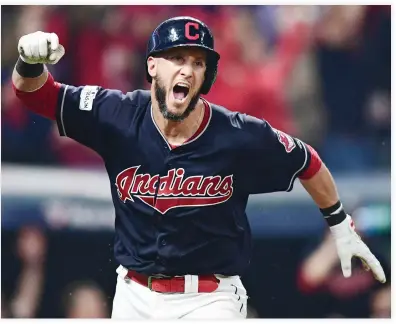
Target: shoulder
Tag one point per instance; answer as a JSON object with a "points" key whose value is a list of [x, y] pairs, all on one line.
{"points": [[136, 97], [117, 107], [97, 95], [239, 123], [249, 132], [139, 98]]}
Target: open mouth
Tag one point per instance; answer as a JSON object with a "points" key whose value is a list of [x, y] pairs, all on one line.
{"points": [[180, 91]]}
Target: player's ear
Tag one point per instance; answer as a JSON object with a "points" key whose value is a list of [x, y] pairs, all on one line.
{"points": [[151, 66]]}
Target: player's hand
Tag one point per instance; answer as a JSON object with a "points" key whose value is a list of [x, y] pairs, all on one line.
{"points": [[40, 47], [349, 245]]}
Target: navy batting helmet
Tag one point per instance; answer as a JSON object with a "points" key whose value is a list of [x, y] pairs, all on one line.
{"points": [[185, 32]]}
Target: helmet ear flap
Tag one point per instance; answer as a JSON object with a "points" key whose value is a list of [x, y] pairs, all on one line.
{"points": [[210, 75], [148, 77]]}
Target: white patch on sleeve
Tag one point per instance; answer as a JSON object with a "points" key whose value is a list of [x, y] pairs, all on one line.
{"points": [[87, 97]]}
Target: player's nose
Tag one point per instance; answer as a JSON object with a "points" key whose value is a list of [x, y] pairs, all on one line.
{"points": [[187, 70]]}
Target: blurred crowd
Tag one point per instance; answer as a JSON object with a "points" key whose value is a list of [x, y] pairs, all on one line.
{"points": [[27, 277], [325, 290], [321, 73], [72, 277]]}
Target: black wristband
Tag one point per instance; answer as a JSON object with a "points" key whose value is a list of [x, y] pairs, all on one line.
{"points": [[29, 70], [335, 214]]}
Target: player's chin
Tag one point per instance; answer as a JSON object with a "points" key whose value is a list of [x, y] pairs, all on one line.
{"points": [[173, 114], [171, 110], [178, 106]]}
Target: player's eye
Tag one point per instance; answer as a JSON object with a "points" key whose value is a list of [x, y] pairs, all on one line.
{"points": [[200, 63], [177, 58]]}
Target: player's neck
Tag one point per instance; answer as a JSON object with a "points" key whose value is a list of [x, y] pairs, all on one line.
{"points": [[176, 133]]}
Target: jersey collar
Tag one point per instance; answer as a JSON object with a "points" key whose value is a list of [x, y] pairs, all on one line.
{"points": [[201, 129]]}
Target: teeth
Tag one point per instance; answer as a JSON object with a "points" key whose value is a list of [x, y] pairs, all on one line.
{"points": [[183, 85]]}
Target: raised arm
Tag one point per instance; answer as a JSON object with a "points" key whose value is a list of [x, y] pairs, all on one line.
{"points": [[87, 114], [32, 82]]}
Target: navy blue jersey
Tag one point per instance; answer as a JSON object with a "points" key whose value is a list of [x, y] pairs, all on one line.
{"points": [[182, 210]]}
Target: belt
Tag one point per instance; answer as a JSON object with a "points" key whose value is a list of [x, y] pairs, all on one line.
{"points": [[183, 284]]}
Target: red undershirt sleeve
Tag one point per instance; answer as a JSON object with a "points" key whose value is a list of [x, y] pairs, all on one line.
{"points": [[314, 165], [42, 101]]}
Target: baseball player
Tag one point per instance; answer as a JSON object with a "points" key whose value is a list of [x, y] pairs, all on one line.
{"points": [[181, 170]]}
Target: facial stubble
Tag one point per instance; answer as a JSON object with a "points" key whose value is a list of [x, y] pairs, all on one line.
{"points": [[160, 96]]}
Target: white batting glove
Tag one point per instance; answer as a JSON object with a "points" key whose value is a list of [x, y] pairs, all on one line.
{"points": [[349, 244], [40, 47]]}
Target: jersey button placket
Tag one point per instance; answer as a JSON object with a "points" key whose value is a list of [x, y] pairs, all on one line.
{"points": [[169, 162]]}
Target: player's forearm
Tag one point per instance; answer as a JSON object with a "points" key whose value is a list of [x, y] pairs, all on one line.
{"points": [[29, 77], [38, 91], [322, 188], [323, 191]]}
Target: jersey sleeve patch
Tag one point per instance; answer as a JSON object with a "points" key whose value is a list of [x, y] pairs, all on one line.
{"points": [[87, 97], [286, 140]]}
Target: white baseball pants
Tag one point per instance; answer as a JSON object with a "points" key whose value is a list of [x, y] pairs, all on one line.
{"points": [[134, 301]]}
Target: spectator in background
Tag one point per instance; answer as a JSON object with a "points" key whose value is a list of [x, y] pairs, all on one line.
{"points": [[301, 92], [26, 299], [354, 64], [84, 300], [376, 57], [380, 303], [258, 67], [326, 293]]}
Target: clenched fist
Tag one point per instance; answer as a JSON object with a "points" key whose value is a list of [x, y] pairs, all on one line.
{"points": [[40, 47]]}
